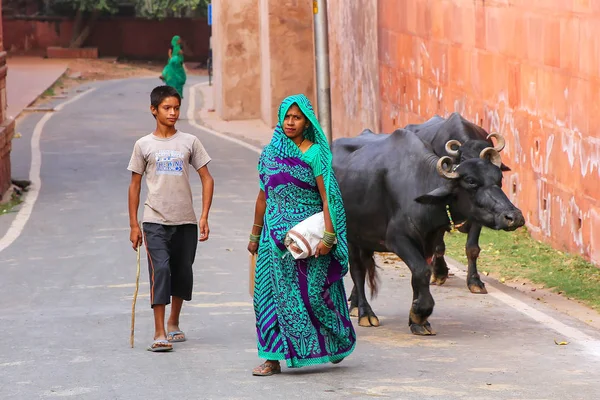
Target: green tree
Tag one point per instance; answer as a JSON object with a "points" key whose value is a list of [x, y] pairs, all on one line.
{"points": [[88, 11], [169, 8], [86, 15]]}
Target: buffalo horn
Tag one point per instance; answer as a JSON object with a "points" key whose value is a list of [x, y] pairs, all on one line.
{"points": [[444, 168], [452, 147], [499, 139], [489, 153]]}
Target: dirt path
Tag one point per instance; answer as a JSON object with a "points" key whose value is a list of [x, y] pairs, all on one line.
{"points": [[85, 70]]}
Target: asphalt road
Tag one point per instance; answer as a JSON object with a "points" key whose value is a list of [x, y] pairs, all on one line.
{"points": [[67, 279]]}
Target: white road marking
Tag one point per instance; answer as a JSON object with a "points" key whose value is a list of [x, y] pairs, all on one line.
{"points": [[12, 364], [18, 224], [590, 344]]}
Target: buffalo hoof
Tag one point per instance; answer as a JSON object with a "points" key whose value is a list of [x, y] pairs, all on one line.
{"points": [[354, 312], [438, 280], [477, 288], [368, 321], [422, 330]]}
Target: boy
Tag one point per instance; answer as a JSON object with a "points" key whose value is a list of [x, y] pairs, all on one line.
{"points": [[169, 223]]}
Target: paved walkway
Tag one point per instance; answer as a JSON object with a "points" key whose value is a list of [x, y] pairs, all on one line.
{"points": [[28, 78], [68, 277], [252, 130]]}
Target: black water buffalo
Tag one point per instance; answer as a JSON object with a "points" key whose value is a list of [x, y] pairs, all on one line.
{"points": [[398, 193], [460, 139]]}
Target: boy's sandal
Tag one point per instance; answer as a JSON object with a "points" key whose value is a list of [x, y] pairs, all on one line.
{"points": [[267, 368], [160, 345], [171, 337]]}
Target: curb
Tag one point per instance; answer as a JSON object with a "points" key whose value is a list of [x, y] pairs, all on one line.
{"points": [[24, 110], [201, 122]]}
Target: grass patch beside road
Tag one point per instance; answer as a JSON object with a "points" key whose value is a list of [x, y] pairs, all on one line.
{"points": [[513, 255]]}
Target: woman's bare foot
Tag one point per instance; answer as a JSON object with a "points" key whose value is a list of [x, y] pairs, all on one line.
{"points": [[268, 368]]}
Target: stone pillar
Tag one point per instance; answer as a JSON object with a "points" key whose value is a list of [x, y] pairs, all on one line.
{"points": [[236, 59], [287, 54], [6, 125]]}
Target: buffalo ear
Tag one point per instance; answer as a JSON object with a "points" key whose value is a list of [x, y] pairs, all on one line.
{"points": [[437, 196], [504, 167]]}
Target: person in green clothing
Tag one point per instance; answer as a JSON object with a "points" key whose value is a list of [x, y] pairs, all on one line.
{"points": [[300, 305], [176, 47], [173, 73]]}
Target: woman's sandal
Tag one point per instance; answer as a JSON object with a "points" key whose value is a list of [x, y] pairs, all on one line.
{"points": [[267, 368]]}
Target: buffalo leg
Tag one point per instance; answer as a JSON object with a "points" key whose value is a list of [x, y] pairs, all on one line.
{"points": [[423, 303], [438, 263], [360, 261], [353, 300], [472, 250]]}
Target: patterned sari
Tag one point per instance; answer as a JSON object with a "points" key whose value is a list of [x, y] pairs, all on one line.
{"points": [[300, 305]]}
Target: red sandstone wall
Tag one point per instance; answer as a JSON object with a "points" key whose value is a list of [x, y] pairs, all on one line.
{"points": [[236, 46], [290, 68], [354, 68], [127, 37], [528, 69]]}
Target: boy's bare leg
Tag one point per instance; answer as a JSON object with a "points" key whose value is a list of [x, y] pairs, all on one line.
{"points": [[159, 322], [173, 322]]}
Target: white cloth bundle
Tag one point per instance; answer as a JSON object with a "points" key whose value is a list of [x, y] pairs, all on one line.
{"points": [[302, 240]]}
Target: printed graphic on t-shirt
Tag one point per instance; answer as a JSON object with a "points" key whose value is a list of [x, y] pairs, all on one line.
{"points": [[169, 162]]}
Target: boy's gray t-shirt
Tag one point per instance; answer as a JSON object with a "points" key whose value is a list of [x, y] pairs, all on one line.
{"points": [[165, 162]]}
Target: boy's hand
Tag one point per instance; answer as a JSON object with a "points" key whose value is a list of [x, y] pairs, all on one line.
{"points": [[204, 230], [136, 237]]}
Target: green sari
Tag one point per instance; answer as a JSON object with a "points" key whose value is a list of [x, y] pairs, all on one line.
{"points": [[300, 305], [174, 73]]}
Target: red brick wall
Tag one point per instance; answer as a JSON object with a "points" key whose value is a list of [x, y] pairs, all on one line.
{"points": [[6, 127], [127, 37], [529, 69]]}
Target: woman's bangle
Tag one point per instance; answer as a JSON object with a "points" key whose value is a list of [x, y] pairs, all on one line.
{"points": [[254, 238], [327, 244], [329, 238], [258, 226]]}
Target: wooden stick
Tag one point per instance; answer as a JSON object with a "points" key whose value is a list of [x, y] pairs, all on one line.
{"points": [[137, 286]]}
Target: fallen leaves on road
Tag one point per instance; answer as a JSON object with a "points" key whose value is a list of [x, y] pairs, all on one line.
{"points": [[560, 343]]}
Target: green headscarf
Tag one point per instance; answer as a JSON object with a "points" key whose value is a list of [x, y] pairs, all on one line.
{"points": [[286, 147]]}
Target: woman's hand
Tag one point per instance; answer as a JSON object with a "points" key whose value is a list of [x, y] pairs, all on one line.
{"points": [[322, 250], [253, 247]]}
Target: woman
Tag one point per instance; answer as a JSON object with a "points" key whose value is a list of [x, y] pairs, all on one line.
{"points": [[174, 73], [300, 305]]}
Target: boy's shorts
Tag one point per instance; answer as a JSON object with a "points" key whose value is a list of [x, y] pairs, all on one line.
{"points": [[171, 252]]}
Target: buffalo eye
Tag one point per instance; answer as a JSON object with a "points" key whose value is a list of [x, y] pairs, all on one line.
{"points": [[470, 181]]}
